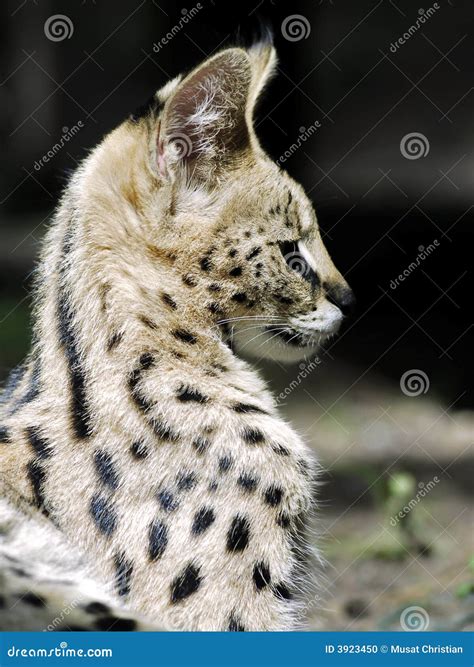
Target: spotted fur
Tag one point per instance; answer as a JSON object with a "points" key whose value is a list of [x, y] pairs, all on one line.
{"points": [[135, 441]]}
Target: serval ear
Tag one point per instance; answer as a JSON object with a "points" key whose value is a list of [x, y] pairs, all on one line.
{"points": [[264, 60], [204, 129]]}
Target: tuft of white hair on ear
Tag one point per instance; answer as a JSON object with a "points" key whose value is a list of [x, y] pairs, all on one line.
{"points": [[263, 58]]}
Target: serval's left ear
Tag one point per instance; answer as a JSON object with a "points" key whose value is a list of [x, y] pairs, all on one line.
{"points": [[204, 127]]}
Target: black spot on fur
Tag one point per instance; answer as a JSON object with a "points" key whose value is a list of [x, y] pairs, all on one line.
{"points": [[225, 463], [185, 394], [282, 592], [114, 624], [261, 575], [185, 336], [4, 434], [114, 341], [33, 600], [234, 624], [247, 482], [157, 539], [203, 518], [104, 515], [77, 380], [280, 450], [283, 520], [213, 486], [139, 450], [148, 323], [169, 301], [232, 252], [235, 272], [163, 430], [256, 251], [106, 469], [123, 576], [186, 481], [201, 445], [273, 495], [214, 287], [186, 583], [96, 608], [284, 299], [167, 500], [238, 534], [239, 297], [37, 477], [246, 408], [68, 340], [189, 281], [146, 361], [214, 308], [253, 436], [33, 389], [205, 263]]}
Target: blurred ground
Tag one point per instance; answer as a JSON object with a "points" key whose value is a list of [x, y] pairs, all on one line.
{"points": [[384, 453]]}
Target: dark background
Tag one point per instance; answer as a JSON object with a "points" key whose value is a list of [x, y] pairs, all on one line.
{"points": [[342, 74], [378, 444]]}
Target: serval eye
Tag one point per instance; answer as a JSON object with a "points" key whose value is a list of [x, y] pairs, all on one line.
{"points": [[293, 258], [297, 262]]}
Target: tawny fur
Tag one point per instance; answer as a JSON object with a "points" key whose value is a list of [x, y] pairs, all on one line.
{"points": [[135, 429]]}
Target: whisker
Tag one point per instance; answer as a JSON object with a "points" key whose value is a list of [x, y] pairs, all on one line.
{"points": [[272, 337], [260, 325], [249, 317], [261, 334]]}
